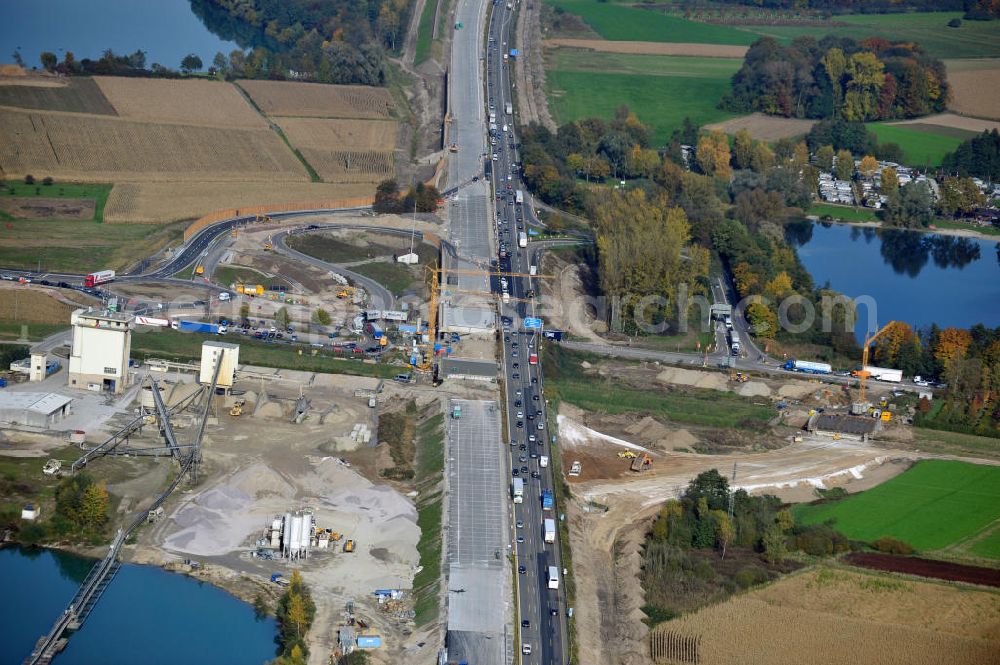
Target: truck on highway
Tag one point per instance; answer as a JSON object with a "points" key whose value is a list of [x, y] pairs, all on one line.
{"points": [[533, 359], [547, 500], [543, 461], [151, 321], [522, 239], [198, 326], [508, 108], [808, 367], [881, 373], [517, 490], [734, 342], [456, 413], [553, 577], [519, 196], [550, 530], [99, 277]]}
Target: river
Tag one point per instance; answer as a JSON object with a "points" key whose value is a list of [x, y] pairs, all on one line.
{"points": [[147, 615], [167, 30], [919, 278]]}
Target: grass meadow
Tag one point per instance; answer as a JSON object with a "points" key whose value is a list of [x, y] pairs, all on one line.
{"points": [[934, 505], [922, 145]]}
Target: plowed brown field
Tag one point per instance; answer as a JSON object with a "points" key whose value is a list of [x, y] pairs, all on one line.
{"points": [[185, 101], [318, 100], [910, 565], [765, 127], [327, 134]]}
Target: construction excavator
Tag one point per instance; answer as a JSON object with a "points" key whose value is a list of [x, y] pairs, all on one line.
{"points": [[237, 409], [346, 292], [268, 244], [642, 463], [626, 454]]}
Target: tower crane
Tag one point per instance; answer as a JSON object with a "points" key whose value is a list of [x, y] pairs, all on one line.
{"points": [[863, 373]]}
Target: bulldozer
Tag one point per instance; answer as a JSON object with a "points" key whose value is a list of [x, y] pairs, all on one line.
{"points": [[626, 454], [643, 463], [237, 409], [268, 244]]}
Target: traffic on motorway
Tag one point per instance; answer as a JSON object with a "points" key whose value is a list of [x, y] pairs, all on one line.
{"points": [[541, 607]]}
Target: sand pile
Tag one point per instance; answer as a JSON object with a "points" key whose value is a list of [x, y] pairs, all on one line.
{"points": [[796, 390], [689, 377], [754, 389]]}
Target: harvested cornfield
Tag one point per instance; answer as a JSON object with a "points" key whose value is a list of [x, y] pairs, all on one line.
{"points": [[327, 134], [161, 202], [74, 95], [651, 48], [31, 306], [318, 100], [185, 101], [97, 148], [830, 617], [765, 127], [350, 165]]}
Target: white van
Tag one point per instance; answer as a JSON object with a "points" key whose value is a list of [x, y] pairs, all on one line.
{"points": [[504, 130]]}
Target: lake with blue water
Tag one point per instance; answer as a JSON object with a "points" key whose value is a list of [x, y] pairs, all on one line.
{"points": [[167, 30], [146, 615], [919, 278]]}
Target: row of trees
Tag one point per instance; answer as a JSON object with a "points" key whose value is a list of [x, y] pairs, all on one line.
{"points": [[967, 360], [837, 77]]}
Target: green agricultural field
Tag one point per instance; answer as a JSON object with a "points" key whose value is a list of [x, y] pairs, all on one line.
{"points": [[625, 23], [60, 190], [226, 275], [934, 505], [974, 39], [425, 32], [921, 147], [660, 90]]}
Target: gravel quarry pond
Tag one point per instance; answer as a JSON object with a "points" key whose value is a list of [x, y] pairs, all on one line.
{"points": [[147, 615]]}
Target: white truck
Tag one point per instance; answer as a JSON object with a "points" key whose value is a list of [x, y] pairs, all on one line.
{"points": [[550, 530], [519, 196], [508, 108], [543, 461], [522, 239], [734, 342], [882, 373], [553, 577], [517, 490]]}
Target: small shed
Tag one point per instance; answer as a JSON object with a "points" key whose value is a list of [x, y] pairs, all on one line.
{"points": [[30, 512]]}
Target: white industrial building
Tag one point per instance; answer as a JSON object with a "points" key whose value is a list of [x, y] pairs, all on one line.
{"points": [[224, 352], [102, 342], [40, 410]]}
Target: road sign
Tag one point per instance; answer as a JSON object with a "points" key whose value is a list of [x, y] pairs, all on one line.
{"points": [[533, 323]]}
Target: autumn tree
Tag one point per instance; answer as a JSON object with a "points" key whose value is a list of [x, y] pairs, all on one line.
{"points": [[713, 156], [889, 181], [868, 166], [779, 287], [244, 310], [844, 168], [742, 149], [865, 77], [762, 158], [763, 320], [835, 65], [774, 545], [296, 612], [960, 196], [824, 158], [94, 505], [282, 318], [952, 344], [321, 316], [890, 346]]}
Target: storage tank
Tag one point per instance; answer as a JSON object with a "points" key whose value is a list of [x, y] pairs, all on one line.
{"points": [[306, 536], [77, 437], [296, 537], [286, 534]]}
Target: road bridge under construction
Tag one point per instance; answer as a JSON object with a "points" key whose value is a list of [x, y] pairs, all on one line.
{"points": [[101, 575]]}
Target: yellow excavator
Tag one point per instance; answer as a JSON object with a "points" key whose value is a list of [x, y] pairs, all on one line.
{"points": [[626, 454], [237, 409], [346, 292], [268, 244]]}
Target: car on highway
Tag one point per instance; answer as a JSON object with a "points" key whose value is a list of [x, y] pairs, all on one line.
{"points": [[526, 649], [525, 623], [520, 524], [520, 539], [516, 365], [520, 424], [523, 458], [531, 438], [541, 425], [553, 611], [522, 570], [535, 474], [523, 446], [515, 376], [534, 398], [515, 472], [524, 469]]}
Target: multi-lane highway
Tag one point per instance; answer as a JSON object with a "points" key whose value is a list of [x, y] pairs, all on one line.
{"points": [[541, 611]]}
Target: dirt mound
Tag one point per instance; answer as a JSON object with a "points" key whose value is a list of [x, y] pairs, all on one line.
{"points": [[655, 434], [796, 390], [690, 377], [754, 389]]}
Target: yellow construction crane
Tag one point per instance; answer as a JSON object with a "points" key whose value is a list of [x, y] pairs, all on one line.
{"points": [[863, 373]]}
